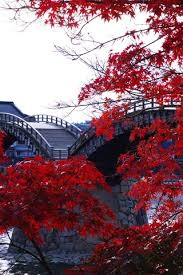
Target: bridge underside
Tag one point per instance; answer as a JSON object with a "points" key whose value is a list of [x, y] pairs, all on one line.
{"points": [[106, 156], [8, 141]]}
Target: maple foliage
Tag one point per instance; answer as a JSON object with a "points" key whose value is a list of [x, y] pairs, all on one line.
{"points": [[3, 158], [161, 252], [69, 13], [66, 188], [155, 168]]}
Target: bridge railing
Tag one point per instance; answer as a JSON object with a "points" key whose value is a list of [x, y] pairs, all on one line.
{"points": [[59, 154], [57, 121], [134, 108], [10, 120], [152, 104]]}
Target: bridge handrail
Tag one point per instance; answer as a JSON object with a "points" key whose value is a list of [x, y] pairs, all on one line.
{"points": [[55, 120], [135, 108], [17, 121]]}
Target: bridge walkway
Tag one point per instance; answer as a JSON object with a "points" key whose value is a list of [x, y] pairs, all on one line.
{"points": [[56, 136]]}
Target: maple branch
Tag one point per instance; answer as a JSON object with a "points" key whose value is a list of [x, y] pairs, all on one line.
{"points": [[59, 105], [21, 248], [43, 260], [41, 257], [74, 55]]}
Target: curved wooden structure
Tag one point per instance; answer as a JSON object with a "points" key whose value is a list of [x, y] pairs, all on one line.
{"points": [[75, 131], [25, 133], [141, 112]]}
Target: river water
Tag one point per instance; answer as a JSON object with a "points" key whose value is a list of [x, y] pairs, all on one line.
{"points": [[17, 264]]}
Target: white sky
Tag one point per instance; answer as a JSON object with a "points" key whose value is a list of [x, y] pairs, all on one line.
{"points": [[32, 73]]}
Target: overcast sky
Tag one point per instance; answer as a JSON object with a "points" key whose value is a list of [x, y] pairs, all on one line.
{"points": [[32, 73]]}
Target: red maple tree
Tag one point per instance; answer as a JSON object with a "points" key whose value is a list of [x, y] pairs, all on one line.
{"points": [[37, 194], [145, 71]]}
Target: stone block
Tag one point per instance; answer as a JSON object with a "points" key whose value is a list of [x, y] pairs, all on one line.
{"points": [[124, 188], [116, 189], [129, 203], [68, 233], [122, 202], [122, 216], [132, 219], [125, 210]]}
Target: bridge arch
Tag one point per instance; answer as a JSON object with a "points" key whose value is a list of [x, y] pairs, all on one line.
{"points": [[141, 113], [38, 135], [25, 133]]}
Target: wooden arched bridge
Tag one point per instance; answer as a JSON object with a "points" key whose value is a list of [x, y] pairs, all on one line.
{"points": [[46, 135], [140, 112], [55, 138]]}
